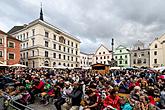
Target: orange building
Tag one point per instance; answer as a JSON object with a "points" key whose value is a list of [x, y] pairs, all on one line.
{"points": [[9, 49]]}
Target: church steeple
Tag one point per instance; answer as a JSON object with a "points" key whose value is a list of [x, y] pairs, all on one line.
{"points": [[41, 13]]}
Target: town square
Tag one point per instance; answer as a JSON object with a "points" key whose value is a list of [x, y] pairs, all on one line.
{"points": [[82, 55]]}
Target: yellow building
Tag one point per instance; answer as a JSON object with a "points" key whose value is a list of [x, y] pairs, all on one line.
{"points": [[157, 52]]}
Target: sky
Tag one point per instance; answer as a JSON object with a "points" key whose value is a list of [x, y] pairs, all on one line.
{"points": [[94, 22]]}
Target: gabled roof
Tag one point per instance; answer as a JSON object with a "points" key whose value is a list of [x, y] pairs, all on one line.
{"points": [[157, 39], [123, 47], [14, 29], [2, 32], [104, 47], [8, 35]]}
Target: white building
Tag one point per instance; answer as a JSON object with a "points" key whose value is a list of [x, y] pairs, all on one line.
{"points": [[102, 55], [46, 45], [85, 59], [157, 52]]}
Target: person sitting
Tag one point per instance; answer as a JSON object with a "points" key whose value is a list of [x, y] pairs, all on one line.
{"points": [[22, 96], [112, 101], [64, 98], [76, 96], [92, 101], [125, 105]]}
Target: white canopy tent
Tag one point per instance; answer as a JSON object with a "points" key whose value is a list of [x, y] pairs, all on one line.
{"points": [[160, 68], [115, 68], [18, 65], [86, 68], [60, 67], [70, 68], [45, 67]]}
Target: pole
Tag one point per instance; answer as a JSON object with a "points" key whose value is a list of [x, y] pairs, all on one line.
{"points": [[112, 48]]}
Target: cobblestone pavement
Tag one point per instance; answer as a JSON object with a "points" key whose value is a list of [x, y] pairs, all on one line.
{"points": [[38, 106]]}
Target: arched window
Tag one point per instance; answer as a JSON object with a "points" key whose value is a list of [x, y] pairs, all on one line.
{"points": [[54, 63], [138, 48], [64, 64], [59, 63], [46, 63], [156, 46]]}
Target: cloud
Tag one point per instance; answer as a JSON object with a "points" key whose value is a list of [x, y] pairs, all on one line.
{"points": [[94, 22]]}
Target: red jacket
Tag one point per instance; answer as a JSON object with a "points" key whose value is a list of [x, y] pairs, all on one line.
{"points": [[40, 86], [113, 102]]}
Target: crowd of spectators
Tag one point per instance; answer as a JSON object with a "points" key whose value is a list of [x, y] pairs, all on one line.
{"points": [[86, 89]]}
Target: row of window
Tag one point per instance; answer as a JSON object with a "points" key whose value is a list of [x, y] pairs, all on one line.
{"points": [[47, 55], [123, 62], [100, 53], [87, 63], [120, 57], [103, 62], [25, 35], [142, 54], [60, 48], [25, 45], [61, 39], [139, 61], [10, 43], [85, 58], [60, 56], [10, 55], [103, 57]]}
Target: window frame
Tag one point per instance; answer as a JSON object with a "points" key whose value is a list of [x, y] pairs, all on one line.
{"points": [[2, 41], [2, 53], [46, 34], [11, 53], [46, 44], [46, 55], [11, 42]]}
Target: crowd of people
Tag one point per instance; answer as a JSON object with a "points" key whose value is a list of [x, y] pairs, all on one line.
{"points": [[86, 89]]}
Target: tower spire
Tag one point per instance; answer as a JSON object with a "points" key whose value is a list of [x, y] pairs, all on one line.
{"points": [[41, 13]]}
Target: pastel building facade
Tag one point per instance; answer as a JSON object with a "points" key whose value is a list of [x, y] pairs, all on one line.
{"points": [[140, 55], [157, 52], [9, 49], [122, 56], [102, 55]]}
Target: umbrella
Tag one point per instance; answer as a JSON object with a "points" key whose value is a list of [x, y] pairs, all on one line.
{"points": [[18, 65]]}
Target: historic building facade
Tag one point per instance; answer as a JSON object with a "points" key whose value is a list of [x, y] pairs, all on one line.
{"points": [[157, 52], [46, 45], [85, 60], [140, 56], [9, 49], [102, 55], [122, 56]]}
